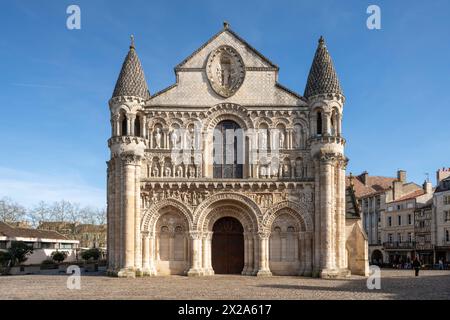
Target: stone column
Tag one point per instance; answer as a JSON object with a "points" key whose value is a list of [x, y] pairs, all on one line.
{"points": [[263, 255], [196, 254], [244, 270], [342, 226], [255, 254], [302, 255], [129, 162], [118, 235], [207, 266], [145, 254], [326, 226], [317, 218], [308, 254], [137, 217], [110, 215], [250, 255]]}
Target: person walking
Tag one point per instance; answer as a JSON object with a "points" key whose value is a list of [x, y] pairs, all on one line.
{"points": [[441, 264], [416, 265]]}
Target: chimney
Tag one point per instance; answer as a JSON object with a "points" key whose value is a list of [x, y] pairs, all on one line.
{"points": [[401, 176], [441, 174], [427, 187], [364, 177]]}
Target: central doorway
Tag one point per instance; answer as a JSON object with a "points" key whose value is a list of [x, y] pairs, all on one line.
{"points": [[228, 246]]}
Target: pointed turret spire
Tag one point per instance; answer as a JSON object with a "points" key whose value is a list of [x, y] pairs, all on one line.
{"points": [[131, 81], [322, 76]]}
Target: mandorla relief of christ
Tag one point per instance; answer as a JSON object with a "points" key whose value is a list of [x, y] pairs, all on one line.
{"points": [[224, 72]]}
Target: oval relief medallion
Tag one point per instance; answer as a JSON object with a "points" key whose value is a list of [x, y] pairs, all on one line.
{"points": [[225, 70]]}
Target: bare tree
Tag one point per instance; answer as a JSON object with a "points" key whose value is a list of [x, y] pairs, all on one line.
{"points": [[11, 211], [40, 213], [100, 216], [60, 210]]}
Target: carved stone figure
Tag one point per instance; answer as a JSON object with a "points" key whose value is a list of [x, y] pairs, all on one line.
{"points": [[158, 138]]}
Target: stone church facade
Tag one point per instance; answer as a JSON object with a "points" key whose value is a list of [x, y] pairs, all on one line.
{"points": [[227, 171]]}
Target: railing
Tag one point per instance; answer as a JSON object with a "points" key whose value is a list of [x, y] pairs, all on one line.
{"points": [[399, 245]]}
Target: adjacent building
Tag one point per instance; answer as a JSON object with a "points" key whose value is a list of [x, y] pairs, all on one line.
{"points": [[88, 235], [398, 227], [441, 216], [43, 242]]}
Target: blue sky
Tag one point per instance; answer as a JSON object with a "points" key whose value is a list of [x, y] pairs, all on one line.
{"points": [[55, 83]]}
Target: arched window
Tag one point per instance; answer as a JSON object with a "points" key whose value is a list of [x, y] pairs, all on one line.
{"points": [[124, 125], [319, 123], [228, 150], [137, 126]]}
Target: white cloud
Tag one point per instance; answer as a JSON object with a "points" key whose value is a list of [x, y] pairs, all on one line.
{"points": [[29, 188]]}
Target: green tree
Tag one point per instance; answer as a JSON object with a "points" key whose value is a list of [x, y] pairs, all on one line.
{"points": [[93, 254], [16, 254], [59, 256]]}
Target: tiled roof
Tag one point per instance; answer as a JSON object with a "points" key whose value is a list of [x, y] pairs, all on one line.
{"points": [[322, 76], [375, 184], [8, 231], [410, 196], [131, 81]]}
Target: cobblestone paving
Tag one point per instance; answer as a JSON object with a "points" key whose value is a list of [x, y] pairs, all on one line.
{"points": [[395, 284]]}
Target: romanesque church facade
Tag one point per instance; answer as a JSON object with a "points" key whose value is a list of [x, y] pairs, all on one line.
{"points": [[228, 171]]}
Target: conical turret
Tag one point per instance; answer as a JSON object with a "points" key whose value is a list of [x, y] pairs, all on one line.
{"points": [[131, 81], [322, 76]]}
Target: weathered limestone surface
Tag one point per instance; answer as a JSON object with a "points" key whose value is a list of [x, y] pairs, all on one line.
{"points": [[166, 188]]}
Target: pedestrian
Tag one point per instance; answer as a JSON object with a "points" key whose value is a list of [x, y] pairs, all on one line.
{"points": [[441, 264], [416, 266]]}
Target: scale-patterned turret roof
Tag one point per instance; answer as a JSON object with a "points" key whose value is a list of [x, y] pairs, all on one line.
{"points": [[131, 81], [322, 76]]}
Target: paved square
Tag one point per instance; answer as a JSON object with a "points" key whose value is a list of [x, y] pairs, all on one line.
{"points": [[395, 284]]}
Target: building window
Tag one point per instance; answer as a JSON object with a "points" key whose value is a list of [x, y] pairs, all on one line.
{"points": [[137, 126], [389, 221], [409, 219], [399, 220], [399, 237], [409, 237], [124, 126], [446, 216], [65, 246], [3, 244], [319, 123], [447, 236], [446, 200], [228, 150], [390, 238]]}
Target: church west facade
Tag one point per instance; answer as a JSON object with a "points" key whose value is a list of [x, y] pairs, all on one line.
{"points": [[228, 171]]}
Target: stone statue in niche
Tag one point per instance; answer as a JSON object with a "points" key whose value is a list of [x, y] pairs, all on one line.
{"points": [[155, 171], [191, 171], [297, 137], [158, 138], [286, 170], [174, 137], [179, 171], [263, 136], [168, 171], [282, 137]]}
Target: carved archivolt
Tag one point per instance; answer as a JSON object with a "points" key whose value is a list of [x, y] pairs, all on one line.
{"points": [[245, 204], [152, 214], [228, 111], [298, 211], [244, 218]]}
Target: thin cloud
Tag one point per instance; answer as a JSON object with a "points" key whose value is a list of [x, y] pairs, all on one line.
{"points": [[29, 188], [36, 85]]}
